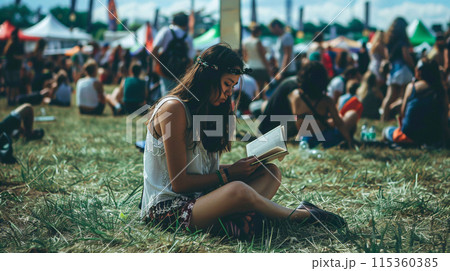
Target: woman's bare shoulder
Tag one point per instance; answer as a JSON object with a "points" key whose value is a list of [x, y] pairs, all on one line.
{"points": [[172, 110]]}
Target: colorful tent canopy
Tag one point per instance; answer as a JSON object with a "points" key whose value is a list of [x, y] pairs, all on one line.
{"points": [[51, 28], [6, 28], [418, 33], [343, 43], [212, 36], [207, 39], [130, 42]]}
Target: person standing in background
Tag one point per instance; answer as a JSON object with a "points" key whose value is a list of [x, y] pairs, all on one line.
{"points": [[254, 55], [377, 55], [174, 48], [283, 50], [38, 62], [78, 60], [363, 59], [397, 51], [14, 54]]}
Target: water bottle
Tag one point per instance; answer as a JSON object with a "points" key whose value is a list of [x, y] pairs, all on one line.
{"points": [[43, 113], [317, 154], [303, 148], [364, 133], [371, 134]]}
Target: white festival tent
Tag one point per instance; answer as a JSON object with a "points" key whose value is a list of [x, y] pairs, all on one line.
{"points": [[57, 35]]}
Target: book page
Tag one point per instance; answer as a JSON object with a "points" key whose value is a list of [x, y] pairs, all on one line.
{"points": [[268, 144]]}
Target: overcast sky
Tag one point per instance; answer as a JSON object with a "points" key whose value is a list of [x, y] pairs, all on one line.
{"points": [[382, 11]]}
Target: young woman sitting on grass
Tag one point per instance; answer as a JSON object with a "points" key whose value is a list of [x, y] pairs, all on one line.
{"points": [[131, 93], [183, 181], [424, 112], [60, 92]]}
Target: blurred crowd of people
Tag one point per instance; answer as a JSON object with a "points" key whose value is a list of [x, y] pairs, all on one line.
{"points": [[383, 80]]}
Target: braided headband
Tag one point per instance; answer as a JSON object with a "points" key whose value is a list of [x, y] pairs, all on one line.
{"points": [[203, 63]]}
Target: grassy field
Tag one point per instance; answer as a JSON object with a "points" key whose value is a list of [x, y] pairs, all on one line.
{"points": [[78, 188]]}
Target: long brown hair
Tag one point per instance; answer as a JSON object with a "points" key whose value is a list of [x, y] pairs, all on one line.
{"points": [[199, 83], [397, 33], [368, 83]]}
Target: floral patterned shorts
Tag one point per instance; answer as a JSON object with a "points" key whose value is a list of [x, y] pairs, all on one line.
{"points": [[172, 213], [178, 213]]}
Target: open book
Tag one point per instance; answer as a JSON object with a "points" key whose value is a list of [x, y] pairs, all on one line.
{"points": [[268, 147]]}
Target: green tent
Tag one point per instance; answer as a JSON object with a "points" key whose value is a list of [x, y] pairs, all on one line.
{"points": [[418, 33], [207, 39]]}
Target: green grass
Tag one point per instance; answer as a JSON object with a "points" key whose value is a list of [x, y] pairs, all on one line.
{"points": [[77, 190]]}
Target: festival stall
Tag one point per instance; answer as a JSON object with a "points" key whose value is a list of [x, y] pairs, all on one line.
{"points": [[58, 36], [6, 28]]}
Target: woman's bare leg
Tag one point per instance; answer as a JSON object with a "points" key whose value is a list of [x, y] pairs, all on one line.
{"points": [[237, 197], [393, 92], [350, 120], [114, 98], [27, 115], [266, 180]]}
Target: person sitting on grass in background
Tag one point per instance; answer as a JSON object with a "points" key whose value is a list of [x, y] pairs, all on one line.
{"points": [[40, 86], [310, 99], [337, 85], [370, 96], [351, 88], [20, 121], [185, 185], [131, 94], [60, 92], [424, 111], [250, 90], [91, 98]]}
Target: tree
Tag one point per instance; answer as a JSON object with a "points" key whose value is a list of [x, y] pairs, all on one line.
{"points": [[355, 25], [63, 15], [134, 26], [98, 28], [340, 29], [19, 15], [309, 27]]}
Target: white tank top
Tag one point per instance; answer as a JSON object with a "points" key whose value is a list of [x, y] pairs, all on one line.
{"points": [[157, 187], [86, 93], [254, 61]]}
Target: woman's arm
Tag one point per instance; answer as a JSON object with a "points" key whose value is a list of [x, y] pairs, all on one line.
{"points": [[172, 129], [121, 89], [287, 52], [407, 57], [262, 55], [99, 88], [338, 122], [408, 92], [244, 54], [295, 103]]}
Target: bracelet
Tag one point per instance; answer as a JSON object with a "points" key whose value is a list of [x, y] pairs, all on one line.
{"points": [[224, 176], [227, 173], [221, 182]]}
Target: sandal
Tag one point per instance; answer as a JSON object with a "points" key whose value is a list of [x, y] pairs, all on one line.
{"points": [[325, 217], [319, 216], [307, 205]]}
